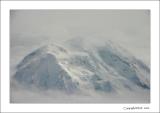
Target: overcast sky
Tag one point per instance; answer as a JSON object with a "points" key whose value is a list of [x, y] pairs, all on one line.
{"points": [[31, 28]]}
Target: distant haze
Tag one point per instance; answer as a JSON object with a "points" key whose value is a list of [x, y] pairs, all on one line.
{"points": [[30, 29]]}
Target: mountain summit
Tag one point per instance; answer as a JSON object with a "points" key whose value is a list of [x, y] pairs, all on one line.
{"points": [[70, 68]]}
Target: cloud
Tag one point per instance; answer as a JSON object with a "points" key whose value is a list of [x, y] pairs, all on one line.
{"points": [[20, 94], [129, 28]]}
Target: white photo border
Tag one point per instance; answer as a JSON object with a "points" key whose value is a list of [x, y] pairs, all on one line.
{"points": [[6, 6]]}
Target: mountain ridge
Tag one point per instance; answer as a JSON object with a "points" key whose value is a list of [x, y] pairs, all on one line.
{"points": [[100, 68]]}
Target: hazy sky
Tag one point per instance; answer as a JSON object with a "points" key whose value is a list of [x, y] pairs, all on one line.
{"points": [[31, 28]]}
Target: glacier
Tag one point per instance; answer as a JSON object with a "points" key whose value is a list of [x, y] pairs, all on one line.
{"points": [[74, 68]]}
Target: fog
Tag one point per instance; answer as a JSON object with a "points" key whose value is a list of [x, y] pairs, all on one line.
{"points": [[19, 94], [31, 28]]}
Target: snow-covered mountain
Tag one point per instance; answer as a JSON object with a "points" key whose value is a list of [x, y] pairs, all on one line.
{"points": [[81, 67]]}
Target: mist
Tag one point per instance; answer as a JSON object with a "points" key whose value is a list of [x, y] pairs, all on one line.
{"points": [[32, 29], [129, 28]]}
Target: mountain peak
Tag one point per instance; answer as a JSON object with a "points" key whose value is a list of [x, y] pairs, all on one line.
{"points": [[102, 68]]}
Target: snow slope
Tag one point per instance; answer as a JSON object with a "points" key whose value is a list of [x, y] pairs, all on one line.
{"points": [[73, 67]]}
